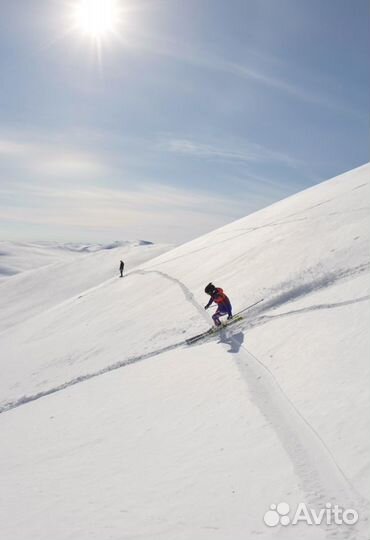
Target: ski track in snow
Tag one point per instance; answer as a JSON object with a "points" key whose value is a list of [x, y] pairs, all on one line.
{"points": [[117, 365], [186, 291], [321, 477], [275, 223], [299, 287], [82, 378], [256, 319], [266, 318]]}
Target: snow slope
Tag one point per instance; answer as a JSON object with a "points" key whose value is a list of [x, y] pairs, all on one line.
{"points": [[32, 292], [112, 427], [16, 257]]}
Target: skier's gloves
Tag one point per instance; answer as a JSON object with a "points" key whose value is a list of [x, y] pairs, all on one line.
{"points": [[206, 307]]}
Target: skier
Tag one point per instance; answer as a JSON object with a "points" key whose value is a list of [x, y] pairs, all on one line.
{"points": [[121, 267], [219, 297]]}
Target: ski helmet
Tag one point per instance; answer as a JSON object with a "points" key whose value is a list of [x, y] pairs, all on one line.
{"points": [[210, 288]]}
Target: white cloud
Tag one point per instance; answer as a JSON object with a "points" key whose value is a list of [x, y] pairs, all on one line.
{"points": [[51, 159], [213, 150], [151, 44], [171, 214], [53, 184], [11, 148], [226, 150]]}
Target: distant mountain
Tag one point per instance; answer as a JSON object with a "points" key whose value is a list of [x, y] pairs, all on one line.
{"points": [[16, 257]]}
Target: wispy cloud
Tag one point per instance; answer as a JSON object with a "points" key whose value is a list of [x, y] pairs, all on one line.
{"points": [[240, 150], [210, 150], [231, 150], [171, 214], [57, 184], [250, 70], [51, 159], [52, 185]]}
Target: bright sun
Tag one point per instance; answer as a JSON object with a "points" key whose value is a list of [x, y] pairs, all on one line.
{"points": [[96, 18]]}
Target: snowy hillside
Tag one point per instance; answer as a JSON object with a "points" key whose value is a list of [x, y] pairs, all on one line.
{"points": [[114, 428], [16, 257], [78, 267]]}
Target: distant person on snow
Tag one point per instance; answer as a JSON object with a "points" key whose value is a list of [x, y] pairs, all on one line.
{"points": [[219, 297], [121, 267]]}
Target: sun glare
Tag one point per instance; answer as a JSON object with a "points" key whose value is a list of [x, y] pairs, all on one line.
{"points": [[96, 18]]}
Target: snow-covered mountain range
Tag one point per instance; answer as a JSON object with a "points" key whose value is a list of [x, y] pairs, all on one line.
{"points": [[114, 428], [60, 271], [16, 257]]}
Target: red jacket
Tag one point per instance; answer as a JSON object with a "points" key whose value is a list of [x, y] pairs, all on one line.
{"points": [[219, 296]]}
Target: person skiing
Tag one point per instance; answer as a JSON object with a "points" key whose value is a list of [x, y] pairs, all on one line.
{"points": [[219, 297], [121, 267]]}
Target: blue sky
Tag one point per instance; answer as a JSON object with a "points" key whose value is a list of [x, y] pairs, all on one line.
{"points": [[193, 113]]}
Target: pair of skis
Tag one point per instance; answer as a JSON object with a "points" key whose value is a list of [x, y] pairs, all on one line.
{"points": [[215, 329]]}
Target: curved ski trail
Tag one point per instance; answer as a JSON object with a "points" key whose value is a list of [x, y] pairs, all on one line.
{"points": [[321, 478]]}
